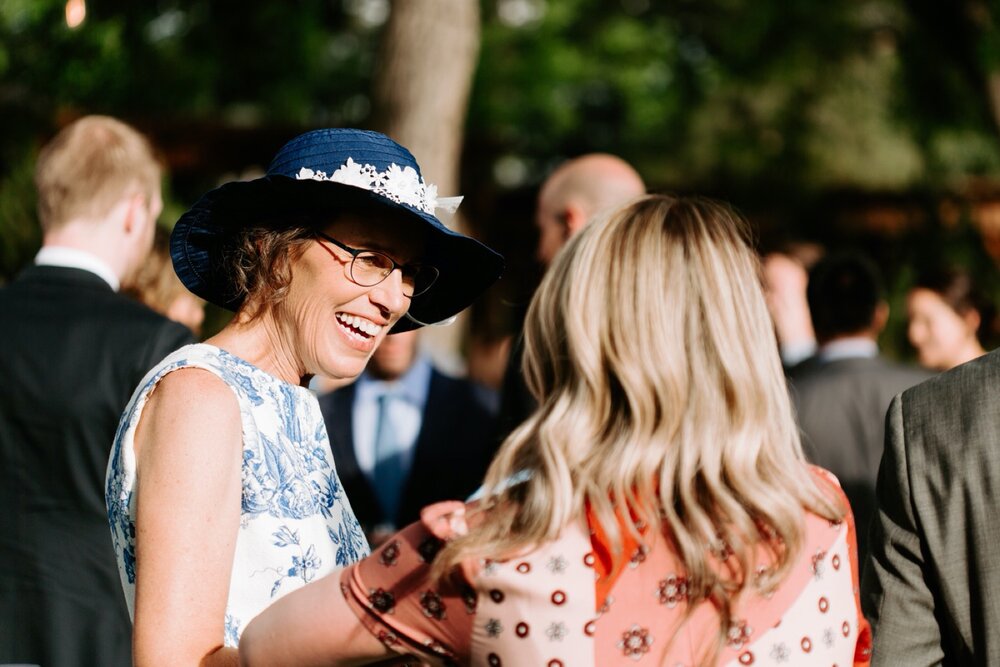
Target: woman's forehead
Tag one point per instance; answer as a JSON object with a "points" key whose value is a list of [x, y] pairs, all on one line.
{"points": [[379, 232]]}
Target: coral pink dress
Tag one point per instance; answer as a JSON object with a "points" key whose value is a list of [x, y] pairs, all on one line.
{"points": [[542, 609]]}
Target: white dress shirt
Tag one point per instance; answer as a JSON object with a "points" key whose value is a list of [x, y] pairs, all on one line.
{"points": [[72, 258], [859, 347]]}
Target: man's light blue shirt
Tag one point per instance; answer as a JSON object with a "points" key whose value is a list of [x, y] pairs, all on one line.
{"points": [[849, 348], [406, 413]]}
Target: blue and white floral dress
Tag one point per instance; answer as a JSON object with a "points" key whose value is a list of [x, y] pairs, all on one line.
{"points": [[296, 523]]}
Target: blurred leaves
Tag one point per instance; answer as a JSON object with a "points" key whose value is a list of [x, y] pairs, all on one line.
{"points": [[20, 235], [730, 94], [709, 94], [774, 104]]}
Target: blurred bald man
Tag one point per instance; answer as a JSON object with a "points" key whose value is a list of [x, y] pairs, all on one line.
{"points": [[578, 191]]}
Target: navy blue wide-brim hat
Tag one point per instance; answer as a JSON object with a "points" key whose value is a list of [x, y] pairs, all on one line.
{"points": [[322, 173]]}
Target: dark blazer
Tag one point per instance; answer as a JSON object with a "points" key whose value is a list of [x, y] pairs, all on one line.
{"points": [[453, 450], [71, 353], [516, 402], [932, 586], [840, 407]]}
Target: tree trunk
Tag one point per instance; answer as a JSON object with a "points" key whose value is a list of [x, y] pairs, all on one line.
{"points": [[422, 80]]}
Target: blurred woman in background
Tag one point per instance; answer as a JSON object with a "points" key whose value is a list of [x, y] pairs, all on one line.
{"points": [[156, 285], [948, 318], [667, 512]]}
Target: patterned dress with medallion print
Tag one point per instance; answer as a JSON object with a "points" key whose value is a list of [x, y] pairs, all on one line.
{"points": [[296, 523], [558, 606]]}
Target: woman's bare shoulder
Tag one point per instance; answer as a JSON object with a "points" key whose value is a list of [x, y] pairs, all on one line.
{"points": [[194, 389], [189, 406]]}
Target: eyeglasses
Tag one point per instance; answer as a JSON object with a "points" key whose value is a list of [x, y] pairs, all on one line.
{"points": [[369, 267]]}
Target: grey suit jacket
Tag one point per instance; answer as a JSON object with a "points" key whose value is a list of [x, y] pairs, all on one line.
{"points": [[931, 588], [840, 406]]}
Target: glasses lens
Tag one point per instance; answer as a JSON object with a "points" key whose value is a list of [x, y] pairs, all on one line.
{"points": [[370, 268], [423, 278]]}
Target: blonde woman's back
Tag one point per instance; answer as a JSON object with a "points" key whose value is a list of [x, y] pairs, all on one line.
{"points": [[541, 607]]}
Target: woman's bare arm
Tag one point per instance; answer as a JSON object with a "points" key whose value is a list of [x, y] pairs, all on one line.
{"points": [[188, 458], [310, 626]]}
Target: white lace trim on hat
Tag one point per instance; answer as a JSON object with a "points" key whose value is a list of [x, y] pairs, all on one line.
{"points": [[402, 185]]}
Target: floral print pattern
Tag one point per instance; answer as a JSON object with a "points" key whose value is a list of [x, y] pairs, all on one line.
{"points": [[635, 642], [296, 523], [738, 634], [304, 565], [672, 590], [531, 613], [433, 606]]}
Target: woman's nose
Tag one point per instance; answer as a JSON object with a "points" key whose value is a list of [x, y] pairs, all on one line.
{"points": [[389, 294]]}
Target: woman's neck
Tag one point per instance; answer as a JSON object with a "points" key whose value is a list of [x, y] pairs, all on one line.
{"points": [[259, 341], [971, 350]]}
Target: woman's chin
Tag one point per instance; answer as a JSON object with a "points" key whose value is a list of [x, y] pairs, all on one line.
{"points": [[343, 372], [340, 362], [933, 362]]}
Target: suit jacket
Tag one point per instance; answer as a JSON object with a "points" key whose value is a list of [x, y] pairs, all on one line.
{"points": [[71, 353], [932, 585], [453, 449], [516, 402], [840, 406]]}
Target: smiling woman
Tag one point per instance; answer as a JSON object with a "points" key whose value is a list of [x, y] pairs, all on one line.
{"points": [[948, 316], [222, 493]]}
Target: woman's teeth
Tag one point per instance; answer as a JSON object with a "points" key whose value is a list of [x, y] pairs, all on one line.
{"points": [[359, 325]]}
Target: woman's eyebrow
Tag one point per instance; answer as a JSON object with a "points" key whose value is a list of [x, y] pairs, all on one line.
{"points": [[394, 253]]}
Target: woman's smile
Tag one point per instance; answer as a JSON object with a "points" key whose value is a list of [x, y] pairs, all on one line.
{"points": [[360, 332]]}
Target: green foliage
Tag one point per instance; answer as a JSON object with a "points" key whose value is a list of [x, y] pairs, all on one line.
{"points": [[19, 234], [723, 94], [711, 94], [778, 105], [253, 62]]}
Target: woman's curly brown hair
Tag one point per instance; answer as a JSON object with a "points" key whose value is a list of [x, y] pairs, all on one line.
{"points": [[260, 264]]}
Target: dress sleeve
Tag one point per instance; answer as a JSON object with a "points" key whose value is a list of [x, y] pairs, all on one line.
{"points": [[898, 599], [393, 596]]}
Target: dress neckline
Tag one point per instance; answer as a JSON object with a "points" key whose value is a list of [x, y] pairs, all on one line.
{"points": [[257, 370]]}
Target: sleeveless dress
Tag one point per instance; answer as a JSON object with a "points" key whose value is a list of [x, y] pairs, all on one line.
{"points": [[296, 523]]}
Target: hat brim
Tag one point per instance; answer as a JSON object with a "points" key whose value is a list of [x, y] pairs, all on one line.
{"points": [[203, 234]]}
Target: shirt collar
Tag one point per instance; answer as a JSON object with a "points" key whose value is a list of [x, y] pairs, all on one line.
{"points": [[412, 386], [857, 347], [796, 351], [74, 258]]}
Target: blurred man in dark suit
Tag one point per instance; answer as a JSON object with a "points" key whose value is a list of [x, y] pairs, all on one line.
{"points": [[931, 588], [577, 191], [71, 352], [842, 393], [405, 435]]}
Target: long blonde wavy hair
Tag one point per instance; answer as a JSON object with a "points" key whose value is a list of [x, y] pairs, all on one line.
{"points": [[653, 358]]}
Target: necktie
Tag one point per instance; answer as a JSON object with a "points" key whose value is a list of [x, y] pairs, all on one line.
{"points": [[388, 460]]}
